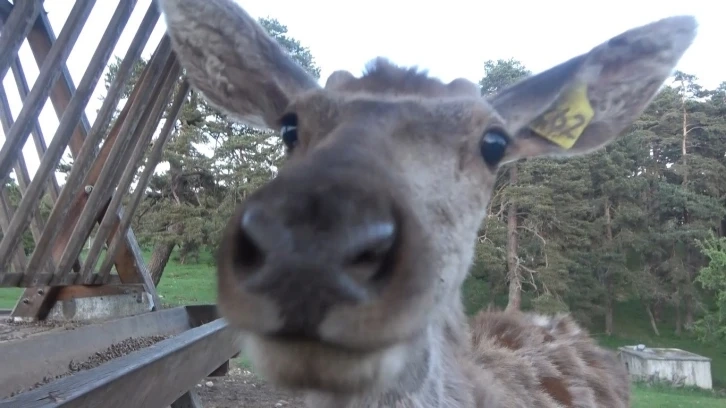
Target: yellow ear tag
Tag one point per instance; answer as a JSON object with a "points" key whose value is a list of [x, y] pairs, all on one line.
{"points": [[568, 117]]}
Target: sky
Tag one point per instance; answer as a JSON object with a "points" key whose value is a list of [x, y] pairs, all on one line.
{"points": [[450, 39]]}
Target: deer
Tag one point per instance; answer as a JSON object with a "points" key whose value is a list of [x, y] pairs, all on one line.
{"points": [[342, 275]]}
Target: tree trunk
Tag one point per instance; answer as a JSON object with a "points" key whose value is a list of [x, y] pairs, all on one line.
{"points": [[515, 280], [679, 318], [652, 320], [159, 258], [161, 254], [608, 278], [688, 300]]}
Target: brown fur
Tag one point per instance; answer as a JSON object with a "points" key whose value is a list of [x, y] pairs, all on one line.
{"points": [[343, 274]]}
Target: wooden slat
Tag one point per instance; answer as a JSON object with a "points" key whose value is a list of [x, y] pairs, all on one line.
{"points": [[166, 370], [19, 260], [12, 279], [49, 73], [82, 291], [145, 134], [117, 156], [19, 22], [83, 170], [64, 131], [151, 163], [21, 173]]}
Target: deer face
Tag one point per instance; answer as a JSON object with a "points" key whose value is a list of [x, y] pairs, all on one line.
{"points": [[342, 269]]}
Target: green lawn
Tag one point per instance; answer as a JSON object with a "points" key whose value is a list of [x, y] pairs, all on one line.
{"points": [[195, 283]]}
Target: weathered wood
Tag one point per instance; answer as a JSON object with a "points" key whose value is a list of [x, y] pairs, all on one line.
{"points": [[166, 370], [41, 40], [18, 133], [19, 261], [38, 139], [64, 131], [151, 163], [129, 259], [145, 133], [49, 354], [13, 279], [83, 170], [189, 399], [118, 154], [21, 173], [49, 73], [19, 22], [81, 291]]}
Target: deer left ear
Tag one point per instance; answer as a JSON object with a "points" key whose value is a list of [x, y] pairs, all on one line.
{"points": [[585, 103]]}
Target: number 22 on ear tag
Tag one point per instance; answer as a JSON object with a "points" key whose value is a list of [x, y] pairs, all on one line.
{"points": [[565, 121]]}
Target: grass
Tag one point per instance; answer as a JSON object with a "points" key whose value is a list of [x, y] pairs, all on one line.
{"points": [[645, 397], [196, 283]]}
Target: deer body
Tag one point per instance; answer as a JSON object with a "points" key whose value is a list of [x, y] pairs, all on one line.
{"points": [[343, 274]]}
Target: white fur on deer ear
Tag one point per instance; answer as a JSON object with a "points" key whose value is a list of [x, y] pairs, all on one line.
{"points": [[583, 104], [232, 61]]}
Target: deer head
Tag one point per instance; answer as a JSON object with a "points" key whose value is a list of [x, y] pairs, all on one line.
{"points": [[349, 263]]}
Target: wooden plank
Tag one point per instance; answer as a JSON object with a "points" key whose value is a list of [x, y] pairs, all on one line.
{"points": [[41, 39], [81, 291], [117, 156], [21, 173], [152, 377], [13, 279], [17, 136], [19, 260], [50, 354], [85, 171], [189, 399], [143, 181], [49, 73], [63, 133], [145, 133], [18, 23]]}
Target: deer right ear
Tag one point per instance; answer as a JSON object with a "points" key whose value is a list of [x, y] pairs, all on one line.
{"points": [[585, 103], [232, 61]]}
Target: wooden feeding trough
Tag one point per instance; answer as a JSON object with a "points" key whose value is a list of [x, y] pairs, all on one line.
{"points": [[89, 331], [150, 360]]}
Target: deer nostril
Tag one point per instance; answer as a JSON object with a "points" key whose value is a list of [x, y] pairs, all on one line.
{"points": [[259, 234], [369, 246], [247, 254]]}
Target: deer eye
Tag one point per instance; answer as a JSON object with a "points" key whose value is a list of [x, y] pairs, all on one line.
{"points": [[493, 146], [288, 130]]}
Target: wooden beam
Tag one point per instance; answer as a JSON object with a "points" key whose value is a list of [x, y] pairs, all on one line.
{"points": [[49, 73], [81, 291], [190, 399], [19, 21], [71, 115], [41, 39]]}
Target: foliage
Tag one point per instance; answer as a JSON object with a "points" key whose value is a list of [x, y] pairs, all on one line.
{"points": [[713, 277]]}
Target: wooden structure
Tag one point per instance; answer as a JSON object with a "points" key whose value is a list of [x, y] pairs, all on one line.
{"points": [[670, 365], [106, 157], [196, 344]]}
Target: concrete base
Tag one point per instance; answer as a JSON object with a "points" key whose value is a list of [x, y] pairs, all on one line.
{"points": [[100, 307]]}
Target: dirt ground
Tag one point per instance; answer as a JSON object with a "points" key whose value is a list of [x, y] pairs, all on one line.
{"points": [[241, 388]]}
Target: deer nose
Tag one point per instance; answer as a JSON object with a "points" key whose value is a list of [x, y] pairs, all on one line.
{"points": [[344, 259]]}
